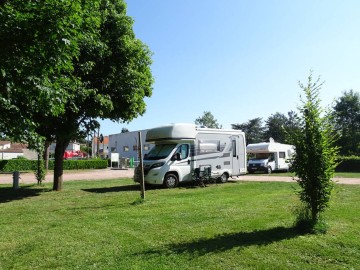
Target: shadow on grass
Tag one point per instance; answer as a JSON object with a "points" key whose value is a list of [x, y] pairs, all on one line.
{"points": [[235, 240], [134, 187], [113, 189], [9, 194], [224, 242]]}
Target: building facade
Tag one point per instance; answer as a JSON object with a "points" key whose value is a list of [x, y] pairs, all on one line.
{"points": [[127, 144]]}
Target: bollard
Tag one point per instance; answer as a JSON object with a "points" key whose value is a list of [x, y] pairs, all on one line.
{"points": [[16, 176]]}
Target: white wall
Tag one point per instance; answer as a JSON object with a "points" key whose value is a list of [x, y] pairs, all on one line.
{"points": [[5, 146], [10, 155], [126, 144], [72, 146]]}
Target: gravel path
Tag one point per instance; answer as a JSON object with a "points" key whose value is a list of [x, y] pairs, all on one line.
{"points": [[29, 178]]}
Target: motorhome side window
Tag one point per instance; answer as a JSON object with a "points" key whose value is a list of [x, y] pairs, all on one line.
{"points": [[183, 150], [208, 146], [281, 154], [234, 148]]}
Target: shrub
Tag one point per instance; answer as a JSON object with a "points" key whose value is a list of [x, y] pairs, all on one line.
{"points": [[314, 161], [31, 165]]}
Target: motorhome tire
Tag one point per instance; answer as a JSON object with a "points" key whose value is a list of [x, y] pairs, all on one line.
{"points": [[170, 180], [269, 170], [223, 178]]}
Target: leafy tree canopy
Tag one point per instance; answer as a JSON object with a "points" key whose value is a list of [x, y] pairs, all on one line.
{"points": [[347, 122], [253, 129], [66, 64], [207, 120], [274, 127]]}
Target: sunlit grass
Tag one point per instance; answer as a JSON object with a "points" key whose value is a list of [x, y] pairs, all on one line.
{"points": [[337, 174], [238, 225]]}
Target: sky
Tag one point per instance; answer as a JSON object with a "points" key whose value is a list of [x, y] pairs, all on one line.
{"points": [[242, 59]]}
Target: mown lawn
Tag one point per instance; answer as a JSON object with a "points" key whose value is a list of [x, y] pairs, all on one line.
{"points": [[337, 174], [238, 225]]}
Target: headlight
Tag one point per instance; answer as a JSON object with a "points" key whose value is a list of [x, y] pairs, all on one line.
{"points": [[156, 165]]}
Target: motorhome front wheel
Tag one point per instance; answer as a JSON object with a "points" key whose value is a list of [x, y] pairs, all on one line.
{"points": [[224, 178], [170, 180]]}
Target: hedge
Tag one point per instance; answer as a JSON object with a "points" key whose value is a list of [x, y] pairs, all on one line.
{"points": [[348, 164], [31, 165]]}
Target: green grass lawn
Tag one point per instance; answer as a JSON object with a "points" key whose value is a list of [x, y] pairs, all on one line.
{"points": [[337, 174], [238, 225]]}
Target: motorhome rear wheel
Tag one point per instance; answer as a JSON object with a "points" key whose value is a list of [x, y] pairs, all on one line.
{"points": [[170, 180]]}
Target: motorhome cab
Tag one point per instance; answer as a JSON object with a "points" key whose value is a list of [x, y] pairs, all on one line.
{"points": [[269, 156], [180, 148]]}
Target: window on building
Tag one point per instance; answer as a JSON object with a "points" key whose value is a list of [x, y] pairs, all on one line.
{"points": [[126, 148]]}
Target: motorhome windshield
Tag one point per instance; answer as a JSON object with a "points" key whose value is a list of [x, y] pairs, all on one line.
{"points": [[269, 156], [160, 151]]}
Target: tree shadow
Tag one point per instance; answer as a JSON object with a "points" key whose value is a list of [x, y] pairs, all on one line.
{"points": [[225, 242], [134, 187], [9, 194], [113, 189]]}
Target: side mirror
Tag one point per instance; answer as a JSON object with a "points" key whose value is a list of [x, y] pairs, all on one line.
{"points": [[176, 157]]}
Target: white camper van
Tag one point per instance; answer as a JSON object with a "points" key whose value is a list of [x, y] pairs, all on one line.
{"points": [[180, 148], [269, 156]]}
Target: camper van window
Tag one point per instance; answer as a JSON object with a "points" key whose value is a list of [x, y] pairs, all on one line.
{"points": [[160, 151], [234, 148], [281, 154], [261, 156], [208, 146], [183, 150]]}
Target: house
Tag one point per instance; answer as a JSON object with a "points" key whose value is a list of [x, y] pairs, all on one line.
{"points": [[73, 146], [126, 144], [100, 146], [9, 150], [71, 151]]}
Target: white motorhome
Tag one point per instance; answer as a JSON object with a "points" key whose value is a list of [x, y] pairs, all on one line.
{"points": [[269, 156], [180, 148]]}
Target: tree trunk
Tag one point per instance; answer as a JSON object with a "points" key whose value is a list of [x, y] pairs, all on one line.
{"points": [[46, 155], [58, 165]]}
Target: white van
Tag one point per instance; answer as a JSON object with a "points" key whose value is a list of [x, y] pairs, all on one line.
{"points": [[180, 148], [269, 156]]}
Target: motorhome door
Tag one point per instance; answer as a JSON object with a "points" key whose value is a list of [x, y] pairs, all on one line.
{"points": [[183, 164], [235, 155]]}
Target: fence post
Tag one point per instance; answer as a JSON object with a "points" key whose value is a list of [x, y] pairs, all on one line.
{"points": [[142, 180], [16, 176]]}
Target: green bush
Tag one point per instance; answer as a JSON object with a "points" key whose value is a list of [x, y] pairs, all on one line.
{"points": [[31, 165], [348, 164], [17, 165]]}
